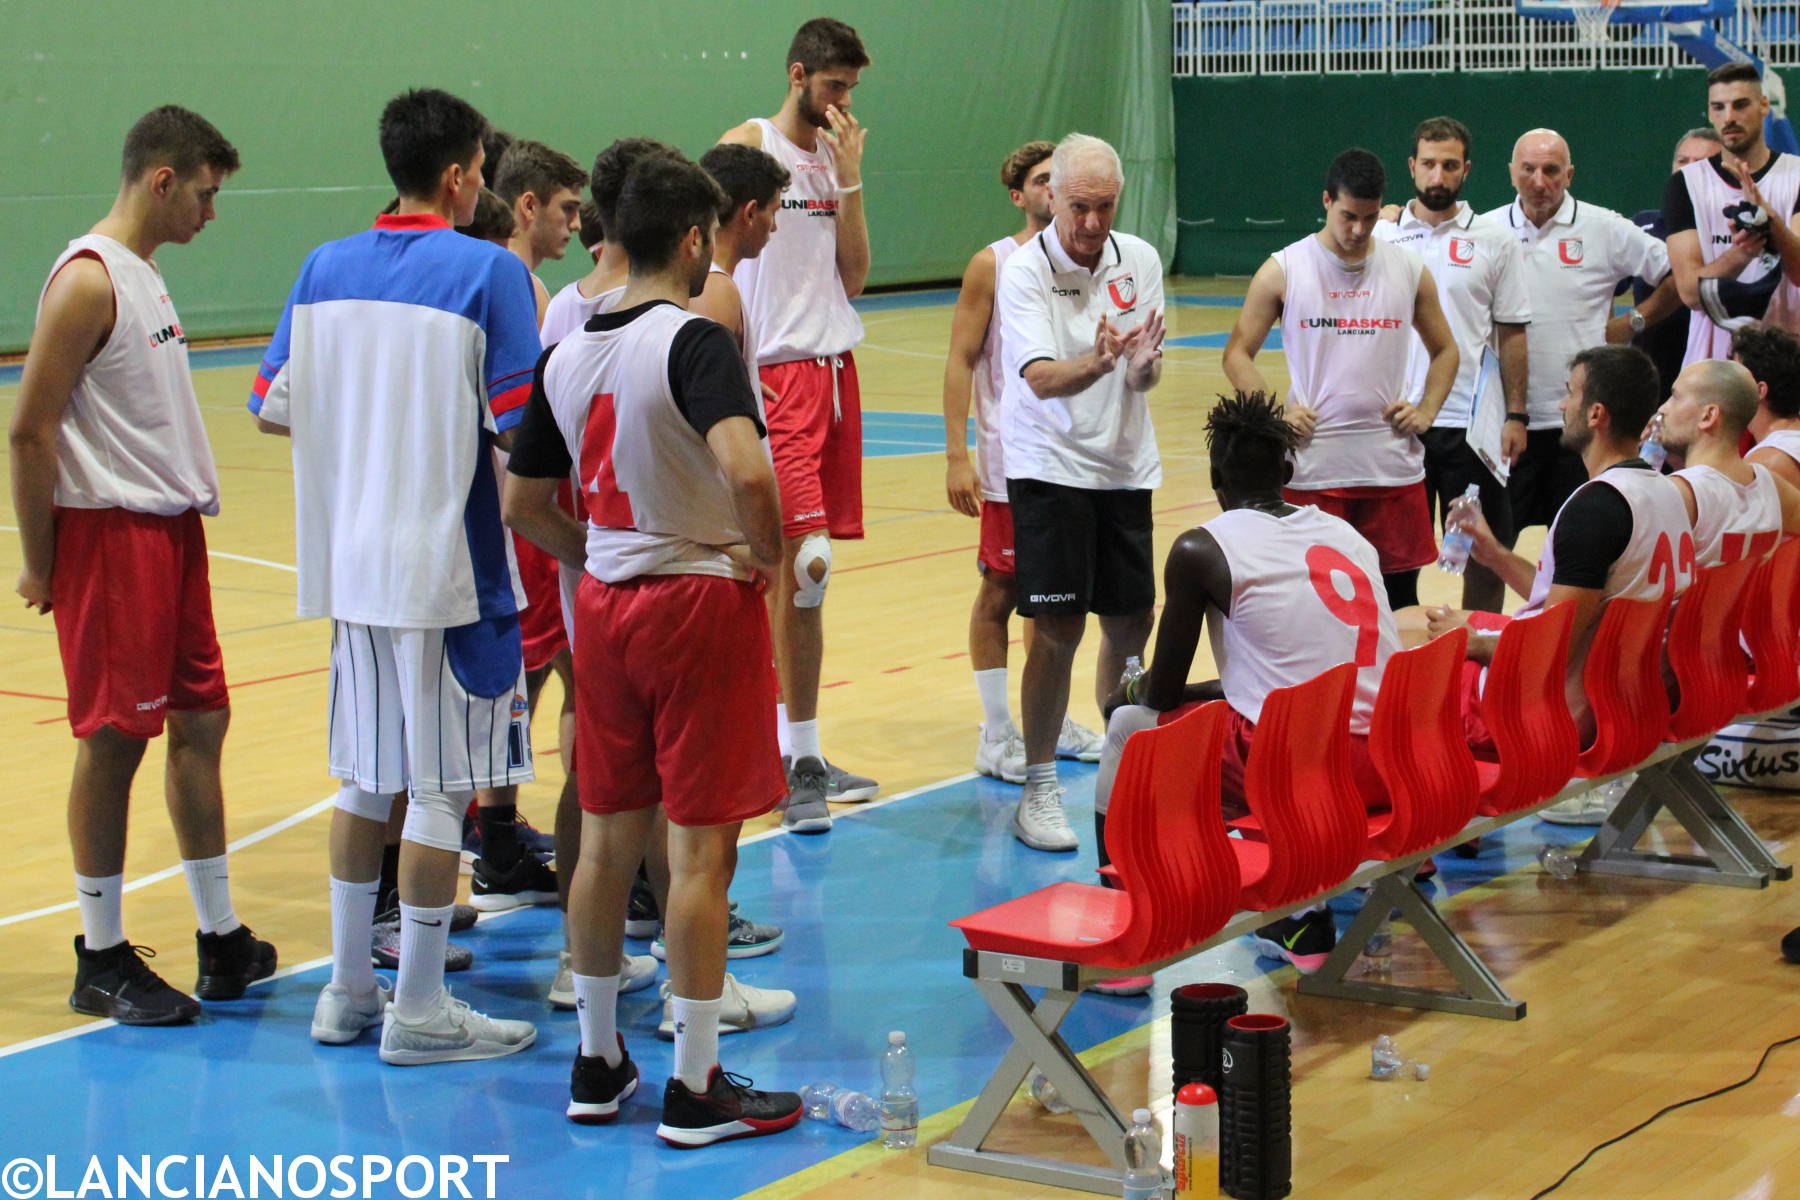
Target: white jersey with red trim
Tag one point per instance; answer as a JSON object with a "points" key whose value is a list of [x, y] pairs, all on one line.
{"points": [[988, 386], [569, 310], [1657, 562], [1305, 596], [1347, 333], [1711, 196], [656, 501], [792, 289], [131, 436], [1785, 440], [1733, 520]]}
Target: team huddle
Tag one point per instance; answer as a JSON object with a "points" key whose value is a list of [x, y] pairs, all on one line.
{"points": [[635, 485]]}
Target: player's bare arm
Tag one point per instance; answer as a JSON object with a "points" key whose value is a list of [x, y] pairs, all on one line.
{"points": [[1515, 570], [845, 137], [1144, 357], [755, 500], [1782, 237], [1434, 332], [1778, 463], [747, 134], [529, 507], [1790, 505], [1515, 372], [1049, 378], [719, 301], [1262, 308], [1195, 576], [1657, 307], [968, 333], [1687, 270], [74, 323]]}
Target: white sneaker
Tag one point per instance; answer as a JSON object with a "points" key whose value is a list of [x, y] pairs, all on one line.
{"points": [[745, 1008], [1039, 820], [1001, 754], [450, 1032], [1078, 742], [1592, 807], [636, 972], [340, 1016]]}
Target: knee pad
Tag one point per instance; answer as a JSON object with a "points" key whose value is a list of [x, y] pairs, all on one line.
{"points": [[371, 806], [435, 819], [814, 551], [1127, 719]]}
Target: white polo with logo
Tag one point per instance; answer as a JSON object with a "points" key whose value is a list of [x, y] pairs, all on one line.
{"points": [[1573, 266], [1049, 308], [1480, 276]]}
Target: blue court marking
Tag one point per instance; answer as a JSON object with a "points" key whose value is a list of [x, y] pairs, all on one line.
{"points": [[893, 434], [888, 301], [1209, 301], [1216, 341], [867, 950]]}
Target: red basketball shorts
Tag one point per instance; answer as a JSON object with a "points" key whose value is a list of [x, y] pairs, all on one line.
{"points": [[815, 439]]}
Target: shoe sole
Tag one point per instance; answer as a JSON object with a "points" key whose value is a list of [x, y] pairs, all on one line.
{"points": [[1306, 964], [628, 986], [179, 1016], [855, 795], [693, 1139], [217, 987], [807, 825], [1594, 821], [1079, 756], [341, 1037], [667, 1032], [660, 952], [600, 1113], [1002, 776], [641, 929], [1044, 846], [507, 901], [475, 1053]]}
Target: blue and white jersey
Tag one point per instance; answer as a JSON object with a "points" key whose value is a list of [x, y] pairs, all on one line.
{"points": [[404, 349]]}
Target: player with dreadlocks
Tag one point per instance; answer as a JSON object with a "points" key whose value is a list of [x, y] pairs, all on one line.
{"points": [[1286, 593]]}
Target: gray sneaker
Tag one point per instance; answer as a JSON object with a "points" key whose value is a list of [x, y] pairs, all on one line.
{"points": [[384, 951], [340, 1016], [743, 1008], [450, 1032], [744, 939], [636, 972], [806, 810], [841, 787]]}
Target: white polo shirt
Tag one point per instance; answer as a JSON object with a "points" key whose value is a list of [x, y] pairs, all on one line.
{"points": [[1573, 265], [1480, 277], [1049, 307]]}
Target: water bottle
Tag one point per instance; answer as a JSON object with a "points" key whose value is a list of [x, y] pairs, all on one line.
{"points": [[1458, 541], [1384, 1059], [899, 1102], [852, 1110], [1557, 862], [1134, 668], [1651, 449], [1143, 1159], [1045, 1093]]}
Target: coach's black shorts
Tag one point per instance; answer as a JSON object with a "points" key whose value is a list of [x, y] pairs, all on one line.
{"points": [[1545, 476], [1082, 550], [1450, 467]]}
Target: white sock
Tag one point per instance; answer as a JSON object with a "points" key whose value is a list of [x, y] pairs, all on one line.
{"points": [[102, 904], [805, 738], [696, 1041], [352, 924], [209, 883], [992, 687], [1040, 774], [597, 1010], [424, 933], [782, 737]]}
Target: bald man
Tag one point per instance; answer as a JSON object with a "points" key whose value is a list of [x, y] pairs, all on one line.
{"points": [[1575, 255], [1739, 509]]}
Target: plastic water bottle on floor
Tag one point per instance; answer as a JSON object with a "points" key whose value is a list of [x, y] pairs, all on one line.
{"points": [[1556, 860], [852, 1110], [1045, 1093], [1384, 1059], [899, 1102], [1453, 558], [1651, 449], [1143, 1159]]}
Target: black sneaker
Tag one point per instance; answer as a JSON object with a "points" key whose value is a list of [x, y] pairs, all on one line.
{"points": [[535, 841], [462, 916], [118, 983], [729, 1108], [231, 962], [641, 918], [1304, 939], [528, 882], [596, 1090]]}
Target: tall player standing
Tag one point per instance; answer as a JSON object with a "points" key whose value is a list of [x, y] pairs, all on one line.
{"points": [[111, 473], [798, 294], [974, 376], [403, 357]]}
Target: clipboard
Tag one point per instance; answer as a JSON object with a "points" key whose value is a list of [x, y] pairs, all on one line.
{"points": [[1487, 415]]}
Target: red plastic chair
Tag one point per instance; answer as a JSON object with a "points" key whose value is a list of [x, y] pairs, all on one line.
{"points": [[1417, 745], [1774, 642], [1711, 670], [1302, 792], [1169, 852], [1524, 706], [1624, 684]]}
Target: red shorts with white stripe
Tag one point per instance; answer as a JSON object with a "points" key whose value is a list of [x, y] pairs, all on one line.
{"points": [[1475, 727], [815, 438], [675, 699], [541, 620], [134, 619], [996, 551], [1240, 732], [1396, 520]]}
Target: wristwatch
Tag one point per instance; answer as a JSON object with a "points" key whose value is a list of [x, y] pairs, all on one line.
{"points": [[1636, 320], [1521, 418]]}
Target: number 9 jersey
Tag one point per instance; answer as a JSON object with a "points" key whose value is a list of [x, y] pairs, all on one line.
{"points": [[1305, 596]]}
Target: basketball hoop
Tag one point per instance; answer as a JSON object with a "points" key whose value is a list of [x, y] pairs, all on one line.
{"points": [[1591, 19]]}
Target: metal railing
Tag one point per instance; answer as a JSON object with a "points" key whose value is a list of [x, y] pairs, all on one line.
{"points": [[1345, 37]]}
